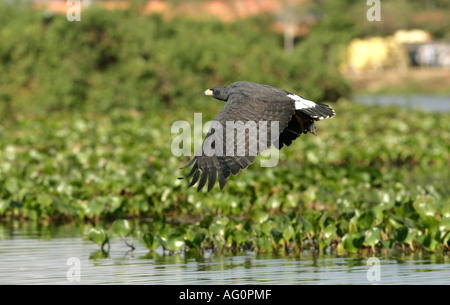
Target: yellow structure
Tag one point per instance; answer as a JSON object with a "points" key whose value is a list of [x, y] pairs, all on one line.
{"points": [[374, 54], [379, 53]]}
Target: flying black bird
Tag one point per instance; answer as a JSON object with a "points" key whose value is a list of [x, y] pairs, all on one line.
{"points": [[251, 104]]}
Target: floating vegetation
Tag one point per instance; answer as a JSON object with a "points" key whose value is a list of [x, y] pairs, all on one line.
{"points": [[374, 178]]}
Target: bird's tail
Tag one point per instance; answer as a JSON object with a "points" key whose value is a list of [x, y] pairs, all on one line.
{"points": [[318, 112]]}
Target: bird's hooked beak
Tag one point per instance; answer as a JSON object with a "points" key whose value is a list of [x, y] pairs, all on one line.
{"points": [[208, 92]]}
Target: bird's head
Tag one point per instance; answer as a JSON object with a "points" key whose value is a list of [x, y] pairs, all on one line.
{"points": [[219, 93]]}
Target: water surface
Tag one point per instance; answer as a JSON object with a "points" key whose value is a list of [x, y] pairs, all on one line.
{"points": [[430, 102], [39, 255]]}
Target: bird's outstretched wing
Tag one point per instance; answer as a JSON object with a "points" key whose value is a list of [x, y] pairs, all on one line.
{"points": [[267, 113]]}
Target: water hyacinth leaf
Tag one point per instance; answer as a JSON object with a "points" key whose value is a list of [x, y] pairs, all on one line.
{"points": [[259, 216], [206, 221], [372, 236], [199, 237], [396, 222], [256, 230], [288, 232], [267, 226], [352, 242], [274, 202], [148, 240], [431, 223], [309, 195], [98, 236], [218, 242], [162, 241], [329, 234], [306, 226], [265, 243], [4, 204], [445, 211], [11, 185], [222, 220], [400, 234], [175, 243], [365, 221], [444, 224], [378, 211], [429, 243], [446, 240], [323, 220], [240, 236], [121, 227], [412, 233], [425, 206], [44, 199], [277, 235], [217, 229], [387, 243]]}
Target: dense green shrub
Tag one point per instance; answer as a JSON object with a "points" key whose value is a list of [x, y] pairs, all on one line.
{"points": [[114, 59]]}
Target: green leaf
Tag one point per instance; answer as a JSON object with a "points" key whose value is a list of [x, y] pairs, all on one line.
{"points": [[267, 226], [264, 243], [429, 243], [445, 212], [12, 185], [329, 234], [378, 211], [44, 199], [98, 236], [218, 242], [240, 236], [217, 229], [411, 236], [306, 226], [372, 236], [366, 220], [288, 232], [400, 234], [121, 227], [276, 235], [431, 223], [444, 224], [148, 240], [259, 216], [352, 241], [425, 206], [222, 220], [4, 204], [199, 237], [175, 243]]}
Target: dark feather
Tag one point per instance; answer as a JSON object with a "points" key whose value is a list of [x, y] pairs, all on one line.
{"points": [[212, 178], [195, 178], [203, 180]]}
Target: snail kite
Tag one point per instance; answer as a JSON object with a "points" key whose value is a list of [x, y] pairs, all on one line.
{"points": [[248, 102]]}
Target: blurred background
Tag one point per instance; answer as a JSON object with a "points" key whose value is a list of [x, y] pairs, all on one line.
{"points": [[146, 54]]}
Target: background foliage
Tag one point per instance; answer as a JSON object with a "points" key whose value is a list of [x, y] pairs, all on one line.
{"points": [[124, 59]]}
